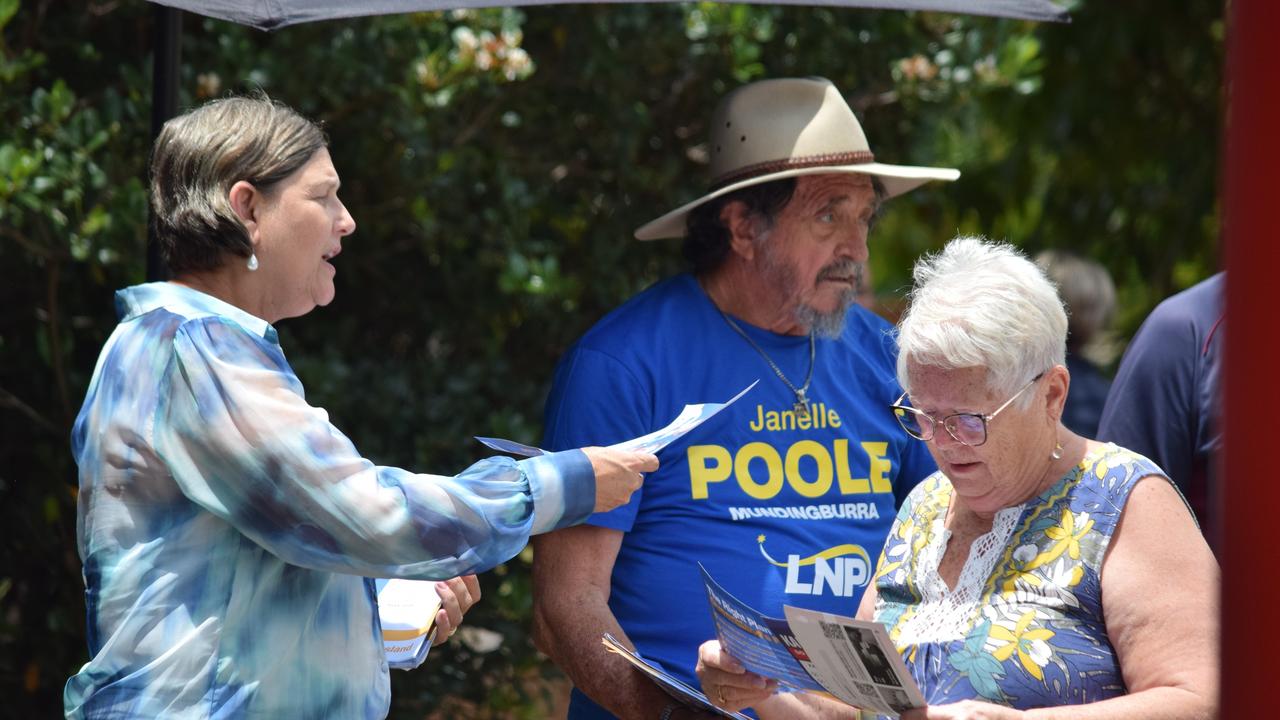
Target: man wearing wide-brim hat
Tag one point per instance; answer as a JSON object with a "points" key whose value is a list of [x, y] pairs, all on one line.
{"points": [[787, 495]]}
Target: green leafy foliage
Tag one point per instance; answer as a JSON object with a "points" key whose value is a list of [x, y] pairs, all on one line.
{"points": [[496, 162]]}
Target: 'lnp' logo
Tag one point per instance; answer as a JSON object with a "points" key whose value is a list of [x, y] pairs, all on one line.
{"points": [[843, 569]]}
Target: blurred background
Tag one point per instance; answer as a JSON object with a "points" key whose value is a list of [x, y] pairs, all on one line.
{"points": [[496, 162]]}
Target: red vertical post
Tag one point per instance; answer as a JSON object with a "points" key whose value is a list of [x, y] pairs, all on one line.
{"points": [[1249, 490]]}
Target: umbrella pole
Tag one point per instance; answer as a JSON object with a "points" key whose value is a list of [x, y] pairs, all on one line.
{"points": [[165, 69]]}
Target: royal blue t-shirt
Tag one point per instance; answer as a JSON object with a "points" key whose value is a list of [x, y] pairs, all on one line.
{"points": [[780, 510]]}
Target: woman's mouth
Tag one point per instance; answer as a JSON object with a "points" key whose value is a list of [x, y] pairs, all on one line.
{"points": [[962, 467]]}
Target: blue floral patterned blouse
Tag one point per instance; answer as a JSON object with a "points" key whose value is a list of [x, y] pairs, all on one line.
{"points": [[225, 526], [1024, 625]]}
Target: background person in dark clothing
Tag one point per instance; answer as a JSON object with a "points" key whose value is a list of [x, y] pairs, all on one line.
{"points": [[1165, 400], [1086, 288]]}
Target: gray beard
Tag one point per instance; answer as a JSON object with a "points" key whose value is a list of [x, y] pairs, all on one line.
{"points": [[829, 324]]}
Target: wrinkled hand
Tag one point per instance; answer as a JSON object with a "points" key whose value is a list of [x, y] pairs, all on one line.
{"points": [[618, 474], [456, 598], [726, 683], [966, 710]]}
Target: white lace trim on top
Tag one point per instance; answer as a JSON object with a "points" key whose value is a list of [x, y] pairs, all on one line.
{"points": [[945, 614]]}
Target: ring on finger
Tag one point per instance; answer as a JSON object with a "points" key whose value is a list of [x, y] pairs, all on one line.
{"points": [[720, 692]]}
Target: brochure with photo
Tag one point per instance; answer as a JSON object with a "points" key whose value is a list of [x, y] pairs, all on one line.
{"points": [[851, 660]]}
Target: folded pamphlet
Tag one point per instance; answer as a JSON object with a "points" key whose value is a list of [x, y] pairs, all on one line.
{"points": [[676, 688], [511, 447], [851, 660], [407, 609]]}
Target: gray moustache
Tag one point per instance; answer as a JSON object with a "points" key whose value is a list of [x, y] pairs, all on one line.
{"points": [[842, 269]]}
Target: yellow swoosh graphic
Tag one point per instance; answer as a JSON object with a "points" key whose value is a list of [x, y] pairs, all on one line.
{"points": [[395, 635], [831, 552]]}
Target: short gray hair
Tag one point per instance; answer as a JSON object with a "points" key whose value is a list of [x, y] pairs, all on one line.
{"points": [[200, 154], [979, 303]]}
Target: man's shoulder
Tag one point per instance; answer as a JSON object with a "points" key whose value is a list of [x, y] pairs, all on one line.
{"points": [[862, 320], [865, 332], [659, 308], [1195, 309]]}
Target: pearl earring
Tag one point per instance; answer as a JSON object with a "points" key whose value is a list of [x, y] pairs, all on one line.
{"points": [[1057, 452], [253, 262]]}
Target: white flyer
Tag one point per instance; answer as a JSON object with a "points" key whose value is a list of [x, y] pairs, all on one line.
{"points": [[689, 418]]}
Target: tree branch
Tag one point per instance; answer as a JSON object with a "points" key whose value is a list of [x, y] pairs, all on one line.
{"points": [[55, 343], [8, 399]]}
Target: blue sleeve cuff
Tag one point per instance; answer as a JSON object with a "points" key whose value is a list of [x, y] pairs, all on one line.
{"points": [[563, 487]]}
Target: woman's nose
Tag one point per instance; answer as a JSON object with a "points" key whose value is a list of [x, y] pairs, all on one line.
{"points": [[346, 223]]}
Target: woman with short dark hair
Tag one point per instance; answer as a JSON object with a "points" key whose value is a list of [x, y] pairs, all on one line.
{"points": [[228, 530]]}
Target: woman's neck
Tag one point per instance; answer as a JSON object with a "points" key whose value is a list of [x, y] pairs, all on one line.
{"points": [[233, 288]]}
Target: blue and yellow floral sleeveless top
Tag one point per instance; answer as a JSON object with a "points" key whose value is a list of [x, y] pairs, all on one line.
{"points": [[1023, 626]]}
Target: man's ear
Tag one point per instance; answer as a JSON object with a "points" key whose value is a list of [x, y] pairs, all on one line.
{"points": [[742, 228], [245, 200]]}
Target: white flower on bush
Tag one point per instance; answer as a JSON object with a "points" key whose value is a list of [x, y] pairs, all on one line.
{"points": [[517, 64], [466, 40]]}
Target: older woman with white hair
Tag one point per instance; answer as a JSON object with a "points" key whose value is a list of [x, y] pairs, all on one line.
{"points": [[1038, 573]]}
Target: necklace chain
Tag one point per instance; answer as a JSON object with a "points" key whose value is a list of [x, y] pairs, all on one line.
{"points": [[802, 401]]}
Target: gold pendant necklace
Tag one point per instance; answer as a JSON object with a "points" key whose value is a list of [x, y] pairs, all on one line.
{"points": [[801, 406]]}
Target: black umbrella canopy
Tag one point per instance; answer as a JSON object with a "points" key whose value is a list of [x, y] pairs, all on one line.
{"points": [[274, 14]]}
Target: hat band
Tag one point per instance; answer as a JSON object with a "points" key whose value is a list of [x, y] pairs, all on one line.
{"points": [[856, 157]]}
